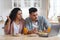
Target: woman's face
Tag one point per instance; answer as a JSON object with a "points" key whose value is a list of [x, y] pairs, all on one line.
{"points": [[19, 15]]}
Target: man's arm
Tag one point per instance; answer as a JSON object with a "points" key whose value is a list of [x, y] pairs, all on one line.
{"points": [[30, 30], [46, 24]]}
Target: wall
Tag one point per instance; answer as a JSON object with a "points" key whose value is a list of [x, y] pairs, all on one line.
{"points": [[44, 8], [5, 6]]}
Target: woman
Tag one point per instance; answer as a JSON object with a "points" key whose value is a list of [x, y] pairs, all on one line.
{"points": [[14, 23]]}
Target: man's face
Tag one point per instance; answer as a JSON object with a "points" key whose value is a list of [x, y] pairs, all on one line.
{"points": [[34, 16]]}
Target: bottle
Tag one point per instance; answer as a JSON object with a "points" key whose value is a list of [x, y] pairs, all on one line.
{"points": [[49, 29], [25, 31]]}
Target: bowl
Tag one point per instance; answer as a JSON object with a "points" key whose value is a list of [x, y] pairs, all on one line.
{"points": [[43, 34]]}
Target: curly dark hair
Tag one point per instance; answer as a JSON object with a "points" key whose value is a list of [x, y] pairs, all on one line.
{"points": [[13, 14]]}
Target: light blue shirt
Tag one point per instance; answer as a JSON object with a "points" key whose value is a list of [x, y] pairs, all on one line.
{"points": [[42, 23]]}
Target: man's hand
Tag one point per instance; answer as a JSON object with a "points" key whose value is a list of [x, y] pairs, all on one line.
{"points": [[45, 31], [48, 30], [35, 30]]}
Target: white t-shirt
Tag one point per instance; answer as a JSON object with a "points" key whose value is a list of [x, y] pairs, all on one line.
{"points": [[35, 24], [16, 28]]}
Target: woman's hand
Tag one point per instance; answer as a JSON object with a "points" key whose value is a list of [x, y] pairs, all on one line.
{"points": [[9, 20]]}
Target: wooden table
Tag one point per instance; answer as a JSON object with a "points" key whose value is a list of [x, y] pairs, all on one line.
{"points": [[25, 37]]}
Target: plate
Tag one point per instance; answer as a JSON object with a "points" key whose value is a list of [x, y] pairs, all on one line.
{"points": [[33, 35]]}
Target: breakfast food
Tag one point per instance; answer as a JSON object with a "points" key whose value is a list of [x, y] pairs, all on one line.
{"points": [[43, 34]]}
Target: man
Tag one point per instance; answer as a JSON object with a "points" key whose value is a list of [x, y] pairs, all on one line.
{"points": [[35, 23]]}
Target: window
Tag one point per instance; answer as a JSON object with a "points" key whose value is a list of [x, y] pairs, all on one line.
{"points": [[25, 5], [54, 10]]}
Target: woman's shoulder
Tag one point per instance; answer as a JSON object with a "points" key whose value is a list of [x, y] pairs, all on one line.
{"points": [[22, 20]]}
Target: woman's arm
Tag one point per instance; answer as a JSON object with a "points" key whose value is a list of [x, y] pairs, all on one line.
{"points": [[7, 28], [7, 25]]}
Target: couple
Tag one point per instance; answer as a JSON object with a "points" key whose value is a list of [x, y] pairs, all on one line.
{"points": [[34, 23]]}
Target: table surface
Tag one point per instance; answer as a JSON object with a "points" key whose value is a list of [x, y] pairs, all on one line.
{"points": [[25, 37]]}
